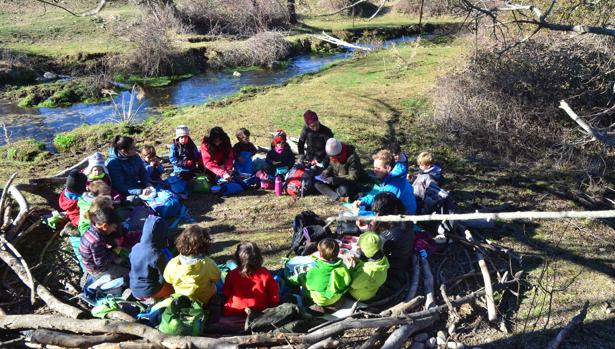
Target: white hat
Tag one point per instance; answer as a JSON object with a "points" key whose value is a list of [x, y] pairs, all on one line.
{"points": [[333, 147], [181, 130], [97, 159]]}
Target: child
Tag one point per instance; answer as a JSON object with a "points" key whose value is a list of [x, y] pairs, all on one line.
{"points": [[96, 245], [401, 160], [280, 157], [184, 154], [428, 167], [371, 270], [249, 285], [152, 164], [148, 260], [95, 189], [192, 273], [69, 198], [244, 150], [96, 170], [329, 279]]}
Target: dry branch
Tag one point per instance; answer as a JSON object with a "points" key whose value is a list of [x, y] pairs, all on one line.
{"points": [[4, 196], [402, 308], [399, 336], [427, 283], [29, 279], [22, 215], [491, 310], [416, 274], [333, 40], [595, 134], [48, 337], [565, 332]]}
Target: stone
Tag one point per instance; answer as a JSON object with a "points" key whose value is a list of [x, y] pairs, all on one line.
{"points": [[421, 337], [236, 74], [50, 76]]}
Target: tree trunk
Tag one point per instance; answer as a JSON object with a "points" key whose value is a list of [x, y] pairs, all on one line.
{"points": [[292, 11]]}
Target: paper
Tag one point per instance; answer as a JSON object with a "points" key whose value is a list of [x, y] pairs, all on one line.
{"points": [[320, 179]]}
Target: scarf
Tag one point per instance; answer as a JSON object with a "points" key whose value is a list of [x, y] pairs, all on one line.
{"points": [[342, 156]]}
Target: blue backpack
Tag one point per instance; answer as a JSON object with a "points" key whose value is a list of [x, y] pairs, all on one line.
{"points": [[166, 204]]}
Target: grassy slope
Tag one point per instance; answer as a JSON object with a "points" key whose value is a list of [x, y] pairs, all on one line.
{"points": [[364, 103]]}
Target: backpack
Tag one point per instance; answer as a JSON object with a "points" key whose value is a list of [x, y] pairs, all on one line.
{"points": [[166, 204], [298, 181], [176, 185], [182, 316], [308, 230]]}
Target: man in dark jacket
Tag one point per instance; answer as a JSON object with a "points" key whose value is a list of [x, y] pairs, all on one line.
{"points": [[315, 136], [340, 179]]}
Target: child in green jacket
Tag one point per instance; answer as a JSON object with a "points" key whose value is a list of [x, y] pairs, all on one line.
{"points": [[329, 279], [95, 189], [371, 270]]}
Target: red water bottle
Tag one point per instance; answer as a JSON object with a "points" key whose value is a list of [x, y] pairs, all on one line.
{"points": [[278, 186]]}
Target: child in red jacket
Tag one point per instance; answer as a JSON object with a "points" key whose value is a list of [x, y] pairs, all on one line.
{"points": [[69, 197], [249, 285]]}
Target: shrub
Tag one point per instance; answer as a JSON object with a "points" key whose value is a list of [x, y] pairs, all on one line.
{"points": [[64, 141], [26, 150], [430, 8], [261, 49]]}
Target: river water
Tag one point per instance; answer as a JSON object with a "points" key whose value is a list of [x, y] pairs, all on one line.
{"points": [[43, 123]]}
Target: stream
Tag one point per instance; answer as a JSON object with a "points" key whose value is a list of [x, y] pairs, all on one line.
{"points": [[43, 123]]}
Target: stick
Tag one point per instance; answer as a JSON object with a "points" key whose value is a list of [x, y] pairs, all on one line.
{"points": [[427, 283], [565, 332], [325, 344], [399, 336], [4, 196], [49, 337], [595, 134], [30, 279], [416, 274], [402, 308], [21, 216], [491, 311], [129, 345]]}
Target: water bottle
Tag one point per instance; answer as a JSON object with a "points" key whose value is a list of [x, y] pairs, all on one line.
{"points": [[278, 186]]}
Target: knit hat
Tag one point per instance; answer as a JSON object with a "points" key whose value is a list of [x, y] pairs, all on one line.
{"points": [[76, 182], [279, 135], [310, 117], [181, 130], [370, 243], [96, 160], [333, 147]]}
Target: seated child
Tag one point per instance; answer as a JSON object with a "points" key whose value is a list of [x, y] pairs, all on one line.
{"points": [[329, 279], [428, 167], [96, 170], [244, 150], [148, 260], [152, 165], [249, 285], [184, 155], [371, 269], [96, 245], [69, 198], [401, 160], [280, 157], [192, 273], [95, 189]]}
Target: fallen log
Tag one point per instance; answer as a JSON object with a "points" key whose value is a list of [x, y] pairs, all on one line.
{"points": [[3, 198], [565, 332], [48, 337], [129, 345], [416, 274], [491, 310], [400, 335], [402, 308], [427, 283]]}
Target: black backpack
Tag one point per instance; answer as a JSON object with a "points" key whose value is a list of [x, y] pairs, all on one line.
{"points": [[308, 230]]}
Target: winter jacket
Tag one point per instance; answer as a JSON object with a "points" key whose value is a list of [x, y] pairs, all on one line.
{"points": [[327, 282], [367, 277], [69, 203], [435, 172], [219, 160], [95, 250], [153, 173], [196, 280], [180, 153], [349, 171], [398, 244], [401, 166], [398, 185], [286, 159], [128, 174], [315, 141], [147, 260], [85, 202], [257, 291]]}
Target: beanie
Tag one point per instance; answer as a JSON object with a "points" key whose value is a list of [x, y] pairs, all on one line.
{"points": [[96, 160], [181, 130], [279, 135], [370, 243], [333, 147], [76, 182], [310, 117]]}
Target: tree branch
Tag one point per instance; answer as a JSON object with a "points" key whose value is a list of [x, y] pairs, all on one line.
{"points": [[595, 134]]}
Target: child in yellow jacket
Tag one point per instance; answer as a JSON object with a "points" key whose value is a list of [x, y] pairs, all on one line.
{"points": [[192, 273]]}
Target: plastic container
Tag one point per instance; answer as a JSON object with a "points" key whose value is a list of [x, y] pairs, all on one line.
{"points": [[278, 186]]}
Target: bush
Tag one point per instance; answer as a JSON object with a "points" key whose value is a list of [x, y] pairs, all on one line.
{"points": [[507, 105], [237, 17], [26, 150], [262, 49], [64, 141], [430, 8]]}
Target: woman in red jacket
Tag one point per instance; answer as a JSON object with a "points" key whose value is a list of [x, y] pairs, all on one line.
{"points": [[217, 154], [249, 285]]}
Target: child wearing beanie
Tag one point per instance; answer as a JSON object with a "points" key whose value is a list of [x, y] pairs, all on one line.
{"points": [[184, 155], [280, 157], [96, 170], [371, 269], [69, 198]]}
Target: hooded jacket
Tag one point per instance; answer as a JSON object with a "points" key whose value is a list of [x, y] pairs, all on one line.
{"points": [[128, 174], [180, 153], [147, 260], [367, 277], [84, 203], [69, 203], [257, 291], [349, 171], [95, 250], [397, 246], [327, 282], [398, 185], [401, 166], [217, 160], [196, 280], [286, 159], [315, 141]]}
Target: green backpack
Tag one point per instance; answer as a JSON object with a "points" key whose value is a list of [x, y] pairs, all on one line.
{"points": [[182, 316], [201, 185]]}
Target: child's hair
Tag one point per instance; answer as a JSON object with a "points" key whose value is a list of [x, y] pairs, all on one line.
{"points": [[99, 188], [217, 133], [98, 203], [105, 215], [148, 150], [123, 142], [386, 156], [193, 241], [242, 134], [328, 249], [248, 257], [424, 159], [395, 148]]}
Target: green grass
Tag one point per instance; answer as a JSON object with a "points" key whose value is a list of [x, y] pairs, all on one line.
{"points": [[389, 20]]}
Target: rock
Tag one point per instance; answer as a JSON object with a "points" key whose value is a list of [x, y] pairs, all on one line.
{"points": [[236, 74], [417, 345], [50, 76], [431, 343], [421, 337], [455, 345]]}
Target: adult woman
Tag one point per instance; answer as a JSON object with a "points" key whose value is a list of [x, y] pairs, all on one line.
{"points": [[126, 169], [217, 154]]}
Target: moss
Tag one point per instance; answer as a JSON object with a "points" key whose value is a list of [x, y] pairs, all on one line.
{"points": [[27, 150], [64, 141]]}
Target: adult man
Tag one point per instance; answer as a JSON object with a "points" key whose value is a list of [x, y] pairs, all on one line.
{"points": [[315, 136], [340, 181]]}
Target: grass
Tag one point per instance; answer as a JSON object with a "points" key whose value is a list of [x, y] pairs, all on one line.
{"points": [[389, 20]]}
